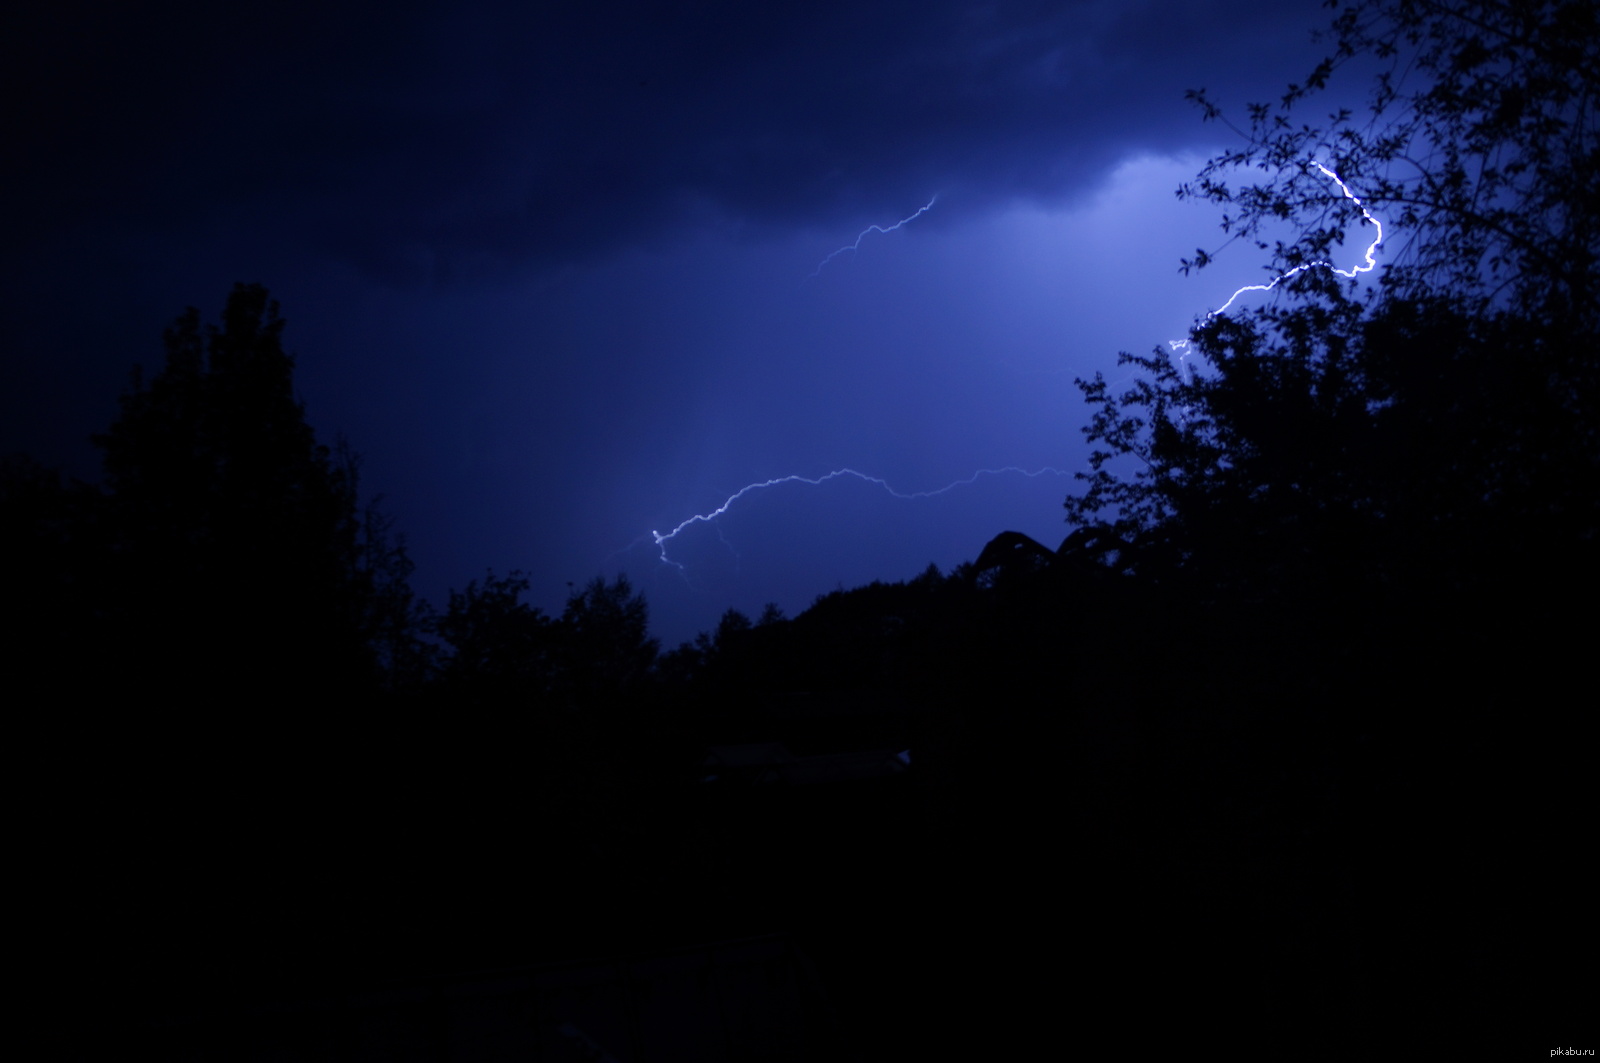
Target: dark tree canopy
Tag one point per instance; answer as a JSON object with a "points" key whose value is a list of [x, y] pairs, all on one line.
{"points": [[241, 556], [498, 644], [1445, 411], [1478, 152], [606, 629], [1374, 500]]}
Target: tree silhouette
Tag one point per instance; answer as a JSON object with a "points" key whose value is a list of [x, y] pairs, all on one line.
{"points": [[1460, 392], [607, 644], [1372, 504], [499, 645], [243, 560], [1478, 153]]}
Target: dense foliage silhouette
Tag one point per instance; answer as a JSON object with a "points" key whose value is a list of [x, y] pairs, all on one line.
{"points": [[1394, 487], [239, 557], [1460, 390]]}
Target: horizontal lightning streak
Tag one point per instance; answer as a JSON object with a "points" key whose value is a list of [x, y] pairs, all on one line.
{"points": [[871, 229], [662, 538]]}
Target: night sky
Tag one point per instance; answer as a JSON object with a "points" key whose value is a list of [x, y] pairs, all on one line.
{"points": [[555, 274]]}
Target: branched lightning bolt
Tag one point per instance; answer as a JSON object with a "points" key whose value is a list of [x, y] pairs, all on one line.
{"points": [[1367, 265], [662, 538], [872, 229]]}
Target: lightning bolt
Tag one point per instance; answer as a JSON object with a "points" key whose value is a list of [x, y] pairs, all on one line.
{"points": [[663, 538], [872, 229], [1368, 263]]}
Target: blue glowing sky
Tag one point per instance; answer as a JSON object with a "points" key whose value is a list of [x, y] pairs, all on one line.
{"points": [[552, 273]]}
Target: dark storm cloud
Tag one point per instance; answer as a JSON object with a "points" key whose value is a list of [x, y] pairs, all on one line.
{"points": [[547, 266], [434, 143]]}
